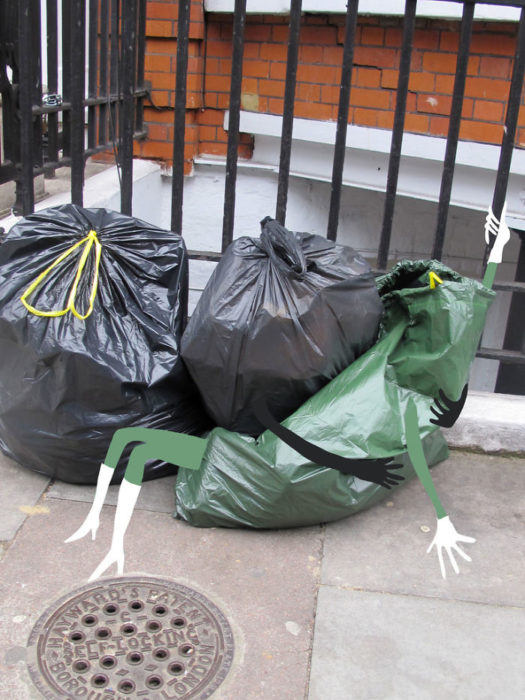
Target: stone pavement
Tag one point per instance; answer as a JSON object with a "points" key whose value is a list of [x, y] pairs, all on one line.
{"points": [[351, 610]]}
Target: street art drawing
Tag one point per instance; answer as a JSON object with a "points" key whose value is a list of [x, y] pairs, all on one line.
{"points": [[371, 428]]}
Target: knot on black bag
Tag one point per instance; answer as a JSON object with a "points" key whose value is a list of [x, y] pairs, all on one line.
{"points": [[280, 244]]}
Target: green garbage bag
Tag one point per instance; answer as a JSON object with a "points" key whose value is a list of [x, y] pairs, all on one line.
{"points": [[430, 330]]}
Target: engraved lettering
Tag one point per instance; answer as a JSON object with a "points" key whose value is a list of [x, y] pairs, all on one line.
{"points": [[145, 643], [92, 649], [191, 681], [152, 596], [99, 598], [56, 668], [121, 649]]}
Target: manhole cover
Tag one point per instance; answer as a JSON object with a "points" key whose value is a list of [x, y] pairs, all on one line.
{"points": [[132, 637]]}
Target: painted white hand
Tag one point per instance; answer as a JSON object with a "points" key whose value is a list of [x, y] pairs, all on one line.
{"points": [[498, 229], [447, 539]]}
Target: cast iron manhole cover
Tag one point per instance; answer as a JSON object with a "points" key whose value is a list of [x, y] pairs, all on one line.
{"points": [[131, 637]]}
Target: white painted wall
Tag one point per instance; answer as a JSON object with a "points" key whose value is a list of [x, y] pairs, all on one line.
{"points": [[425, 8]]}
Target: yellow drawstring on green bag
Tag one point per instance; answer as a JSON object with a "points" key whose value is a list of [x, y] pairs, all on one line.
{"points": [[433, 278], [88, 242]]}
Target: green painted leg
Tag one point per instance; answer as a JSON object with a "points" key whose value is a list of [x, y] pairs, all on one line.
{"points": [[183, 450], [180, 449]]}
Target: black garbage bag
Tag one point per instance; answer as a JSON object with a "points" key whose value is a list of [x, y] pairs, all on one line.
{"points": [[279, 318], [92, 309]]}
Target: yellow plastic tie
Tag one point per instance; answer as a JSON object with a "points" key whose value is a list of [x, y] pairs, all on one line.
{"points": [[433, 279], [88, 242]]}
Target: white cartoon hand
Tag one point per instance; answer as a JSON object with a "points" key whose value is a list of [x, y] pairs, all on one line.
{"points": [[498, 229], [447, 538]]}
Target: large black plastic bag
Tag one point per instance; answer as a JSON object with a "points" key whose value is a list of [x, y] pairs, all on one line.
{"points": [[67, 384], [279, 317]]}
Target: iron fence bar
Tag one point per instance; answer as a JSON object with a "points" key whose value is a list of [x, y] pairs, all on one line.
{"points": [[52, 77], [128, 43], [233, 123], [114, 87], [77, 58], [397, 133], [103, 76], [209, 255], [49, 166], [9, 53], [509, 287], [288, 110], [36, 98], [513, 357], [515, 328], [109, 144], [177, 184], [453, 129], [88, 102], [342, 119], [25, 190], [66, 75], [141, 50], [511, 121], [92, 70]]}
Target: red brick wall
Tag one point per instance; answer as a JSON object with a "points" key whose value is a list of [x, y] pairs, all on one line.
{"points": [[376, 61], [160, 69]]}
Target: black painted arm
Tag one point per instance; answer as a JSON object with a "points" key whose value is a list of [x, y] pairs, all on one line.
{"points": [[377, 471]]}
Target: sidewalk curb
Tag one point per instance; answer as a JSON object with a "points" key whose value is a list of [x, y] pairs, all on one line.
{"points": [[491, 423]]}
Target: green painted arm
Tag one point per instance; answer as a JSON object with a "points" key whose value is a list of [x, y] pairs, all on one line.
{"points": [[417, 457], [490, 275]]}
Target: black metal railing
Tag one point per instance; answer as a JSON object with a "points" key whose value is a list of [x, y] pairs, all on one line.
{"points": [[45, 131], [512, 358], [115, 49]]}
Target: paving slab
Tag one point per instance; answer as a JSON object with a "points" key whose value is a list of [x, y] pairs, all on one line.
{"points": [[384, 548], [264, 582], [374, 646], [21, 490], [157, 495]]}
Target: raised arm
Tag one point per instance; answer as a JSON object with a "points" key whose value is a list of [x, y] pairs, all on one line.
{"points": [[501, 231]]}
